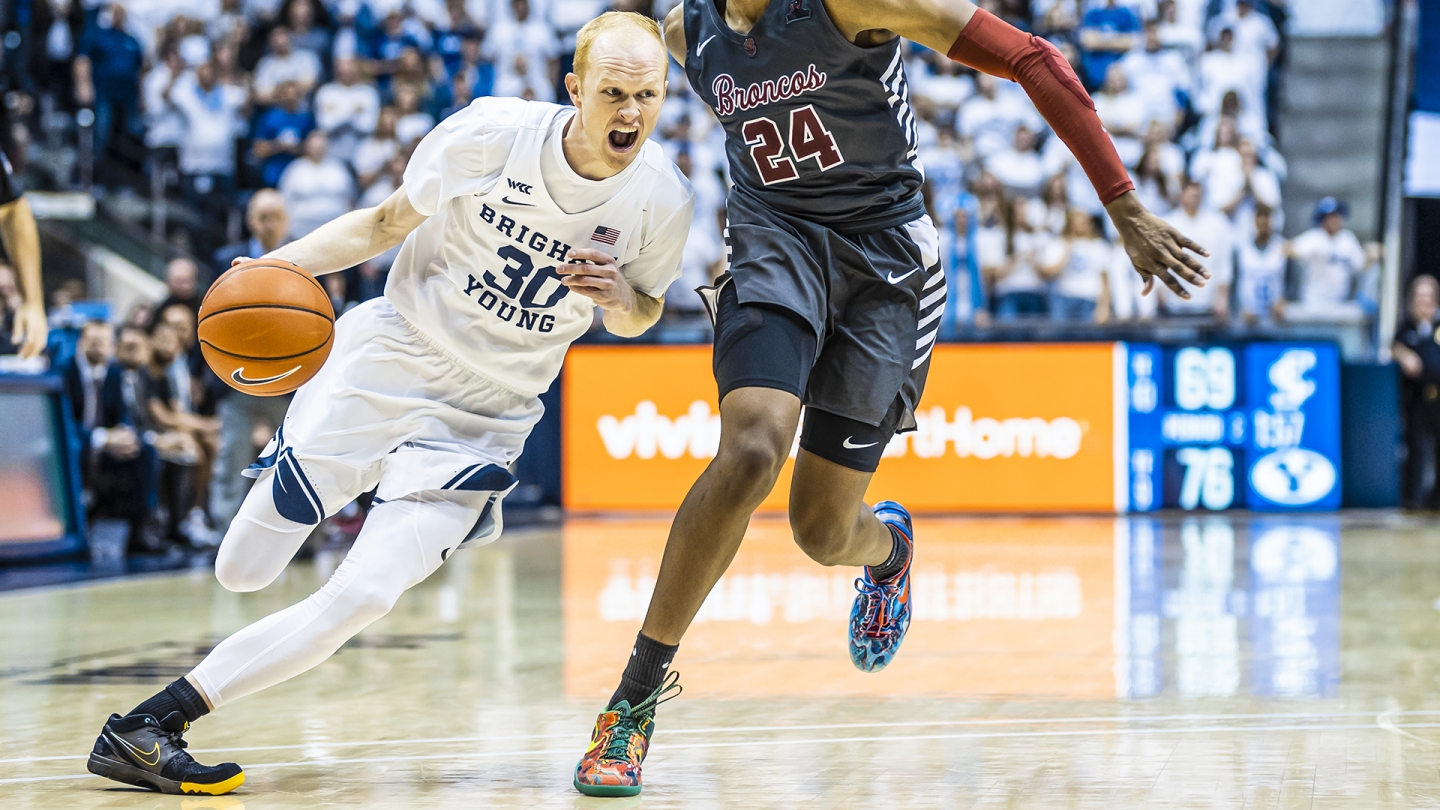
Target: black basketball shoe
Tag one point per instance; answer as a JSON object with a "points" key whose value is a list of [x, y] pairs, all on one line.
{"points": [[140, 750]]}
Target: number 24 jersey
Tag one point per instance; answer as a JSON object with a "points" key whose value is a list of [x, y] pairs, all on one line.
{"points": [[478, 278], [815, 125]]}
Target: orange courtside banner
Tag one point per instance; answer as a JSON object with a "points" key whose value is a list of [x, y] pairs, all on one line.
{"points": [[1001, 428]]}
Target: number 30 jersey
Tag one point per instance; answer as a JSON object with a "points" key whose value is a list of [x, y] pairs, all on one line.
{"points": [[478, 278], [815, 126]]}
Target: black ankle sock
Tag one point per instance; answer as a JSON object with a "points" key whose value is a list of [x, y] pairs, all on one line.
{"points": [[179, 696], [649, 663], [899, 555]]}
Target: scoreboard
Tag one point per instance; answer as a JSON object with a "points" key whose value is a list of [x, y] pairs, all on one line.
{"points": [[1234, 426], [1103, 428]]}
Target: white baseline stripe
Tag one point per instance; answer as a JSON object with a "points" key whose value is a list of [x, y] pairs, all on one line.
{"points": [[319, 761], [987, 721]]}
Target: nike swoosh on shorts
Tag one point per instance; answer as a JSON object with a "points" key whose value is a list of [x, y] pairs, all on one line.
{"points": [[849, 445], [894, 279]]}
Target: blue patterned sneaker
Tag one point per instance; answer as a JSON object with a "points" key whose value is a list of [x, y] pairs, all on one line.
{"points": [[882, 609]]}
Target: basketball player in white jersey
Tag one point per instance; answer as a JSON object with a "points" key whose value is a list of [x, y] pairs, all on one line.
{"points": [[517, 219]]}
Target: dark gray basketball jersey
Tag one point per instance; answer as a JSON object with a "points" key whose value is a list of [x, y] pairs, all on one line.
{"points": [[815, 126]]}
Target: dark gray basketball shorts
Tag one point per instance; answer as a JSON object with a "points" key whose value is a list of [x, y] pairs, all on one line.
{"points": [[871, 303]]}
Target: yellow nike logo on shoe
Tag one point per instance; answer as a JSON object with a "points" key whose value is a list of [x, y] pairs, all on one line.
{"points": [[140, 755]]}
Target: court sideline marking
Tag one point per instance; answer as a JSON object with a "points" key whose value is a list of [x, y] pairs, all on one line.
{"points": [[972, 721], [318, 761]]}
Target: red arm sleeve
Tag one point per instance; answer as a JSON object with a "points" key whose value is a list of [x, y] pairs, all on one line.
{"points": [[991, 45]]}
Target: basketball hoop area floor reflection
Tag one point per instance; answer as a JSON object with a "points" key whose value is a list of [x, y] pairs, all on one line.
{"points": [[1053, 662]]}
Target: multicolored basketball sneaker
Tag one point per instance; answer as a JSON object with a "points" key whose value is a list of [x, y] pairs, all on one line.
{"points": [[881, 614], [611, 765]]}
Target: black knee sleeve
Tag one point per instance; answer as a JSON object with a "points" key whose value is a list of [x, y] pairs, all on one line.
{"points": [[843, 440], [760, 346]]}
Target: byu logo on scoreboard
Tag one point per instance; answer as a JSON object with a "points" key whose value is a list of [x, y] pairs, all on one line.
{"points": [[1292, 475]]}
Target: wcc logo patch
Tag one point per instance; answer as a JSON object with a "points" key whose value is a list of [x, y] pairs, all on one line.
{"points": [[523, 188], [798, 11]]}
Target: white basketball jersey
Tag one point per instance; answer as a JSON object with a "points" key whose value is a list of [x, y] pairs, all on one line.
{"points": [[478, 277]]}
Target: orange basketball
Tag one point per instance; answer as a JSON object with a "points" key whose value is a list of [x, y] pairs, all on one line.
{"points": [[266, 327]]}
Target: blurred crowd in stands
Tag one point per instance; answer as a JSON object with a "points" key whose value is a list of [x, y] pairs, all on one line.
{"points": [[323, 100], [267, 118]]}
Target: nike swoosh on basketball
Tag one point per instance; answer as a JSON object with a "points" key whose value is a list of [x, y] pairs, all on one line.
{"points": [[506, 199], [849, 445], [238, 375], [894, 279], [700, 49], [140, 755]]}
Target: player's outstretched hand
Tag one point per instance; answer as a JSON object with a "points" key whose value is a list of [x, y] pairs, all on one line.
{"points": [[594, 274], [1156, 249]]}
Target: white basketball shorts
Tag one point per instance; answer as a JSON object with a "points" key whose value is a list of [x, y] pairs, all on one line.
{"points": [[394, 412]]}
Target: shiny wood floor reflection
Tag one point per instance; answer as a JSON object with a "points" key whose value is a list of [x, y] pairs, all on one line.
{"points": [[1075, 663]]}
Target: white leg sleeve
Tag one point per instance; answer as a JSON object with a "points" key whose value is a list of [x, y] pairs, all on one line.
{"points": [[403, 542], [259, 543]]}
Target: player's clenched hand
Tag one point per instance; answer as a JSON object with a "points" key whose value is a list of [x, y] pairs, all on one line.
{"points": [[1156, 249], [31, 330], [594, 274]]}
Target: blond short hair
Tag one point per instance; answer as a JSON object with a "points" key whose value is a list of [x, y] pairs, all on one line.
{"points": [[614, 21]]}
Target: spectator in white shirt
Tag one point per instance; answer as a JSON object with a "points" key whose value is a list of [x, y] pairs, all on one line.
{"points": [[989, 117], [317, 188], [1260, 260], [526, 53], [1019, 168], [1009, 250], [309, 25], [347, 109], [389, 179], [1122, 111], [1078, 265], [944, 84], [1255, 34], [1330, 260], [1127, 299], [1155, 187], [1223, 70], [1211, 230], [213, 120], [283, 63], [1181, 28], [377, 150], [1051, 210], [1238, 183], [164, 125], [1159, 74], [412, 123]]}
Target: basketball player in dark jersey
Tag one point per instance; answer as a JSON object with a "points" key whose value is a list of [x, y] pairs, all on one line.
{"points": [[29, 331], [833, 299]]}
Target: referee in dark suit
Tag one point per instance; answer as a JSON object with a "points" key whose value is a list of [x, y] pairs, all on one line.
{"points": [[1417, 350]]}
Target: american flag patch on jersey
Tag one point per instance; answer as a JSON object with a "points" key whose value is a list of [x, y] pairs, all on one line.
{"points": [[605, 235]]}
